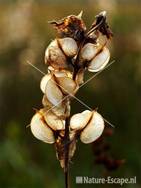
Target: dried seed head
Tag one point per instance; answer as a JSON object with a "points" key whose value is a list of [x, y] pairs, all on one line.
{"points": [[69, 46], [80, 120], [100, 61], [40, 129], [93, 130], [54, 56]]}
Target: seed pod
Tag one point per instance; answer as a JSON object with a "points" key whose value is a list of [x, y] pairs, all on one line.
{"points": [[80, 120], [65, 81], [53, 93], [59, 110], [93, 130], [63, 73], [40, 129], [44, 81], [53, 121], [100, 61], [67, 85], [46, 102], [54, 56], [69, 46], [89, 51], [51, 90]]}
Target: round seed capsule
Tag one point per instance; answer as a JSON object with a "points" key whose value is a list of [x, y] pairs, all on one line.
{"points": [[100, 61], [54, 56], [40, 129], [80, 120], [53, 93], [44, 81], [93, 130], [89, 51], [69, 46], [67, 85]]}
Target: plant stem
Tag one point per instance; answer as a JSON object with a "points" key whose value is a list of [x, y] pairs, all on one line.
{"points": [[66, 150], [66, 137]]}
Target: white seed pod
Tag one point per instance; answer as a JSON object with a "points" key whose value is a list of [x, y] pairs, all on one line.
{"points": [[89, 51], [100, 61], [65, 81], [44, 81], [53, 121], [69, 46], [67, 85], [93, 130], [54, 56], [40, 129], [53, 93], [46, 102], [80, 120], [59, 110]]}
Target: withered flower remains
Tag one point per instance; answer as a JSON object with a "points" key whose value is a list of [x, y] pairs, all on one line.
{"points": [[68, 56]]}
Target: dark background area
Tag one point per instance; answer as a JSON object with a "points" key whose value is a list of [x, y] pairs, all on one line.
{"points": [[24, 35]]}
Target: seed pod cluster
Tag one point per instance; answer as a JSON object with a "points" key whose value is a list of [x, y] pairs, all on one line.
{"points": [[89, 124], [68, 56], [62, 52]]}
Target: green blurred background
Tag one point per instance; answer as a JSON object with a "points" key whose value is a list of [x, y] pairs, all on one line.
{"points": [[24, 35]]}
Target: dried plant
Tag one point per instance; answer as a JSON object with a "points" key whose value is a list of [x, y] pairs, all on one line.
{"points": [[68, 56]]}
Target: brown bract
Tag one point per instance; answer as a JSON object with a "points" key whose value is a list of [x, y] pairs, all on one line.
{"points": [[70, 26]]}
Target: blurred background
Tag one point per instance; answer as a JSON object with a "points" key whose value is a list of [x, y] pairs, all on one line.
{"points": [[24, 35]]}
